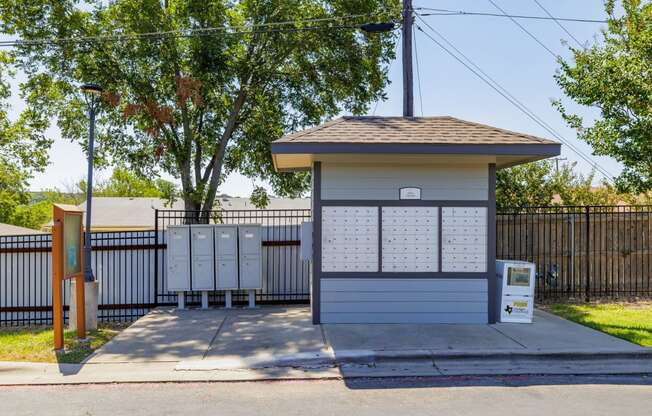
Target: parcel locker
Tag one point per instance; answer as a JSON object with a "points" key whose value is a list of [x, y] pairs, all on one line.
{"points": [[178, 258], [226, 257], [251, 255], [201, 254]]}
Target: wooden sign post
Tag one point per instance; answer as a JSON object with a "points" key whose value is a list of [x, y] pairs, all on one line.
{"points": [[67, 263]]}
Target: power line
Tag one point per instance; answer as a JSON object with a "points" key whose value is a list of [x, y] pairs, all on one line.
{"points": [[447, 12], [271, 27], [416, 56], [559, 24], [525, 30], [480, 73]]}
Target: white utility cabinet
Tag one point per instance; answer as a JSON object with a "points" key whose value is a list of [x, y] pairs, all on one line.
{"points": [[226, 257], [178, 258], [516, 281], [251, 256]]}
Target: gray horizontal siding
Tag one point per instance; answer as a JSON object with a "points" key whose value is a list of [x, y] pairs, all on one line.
{"points": [[404, 296], [403, 300], [401, 318], [382, 182], [403, 284]]}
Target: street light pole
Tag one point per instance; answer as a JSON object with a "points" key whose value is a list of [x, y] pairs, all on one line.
{"points": [[92, 94]]}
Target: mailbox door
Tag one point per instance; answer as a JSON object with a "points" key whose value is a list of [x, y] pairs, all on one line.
{"points": [[203, 277], [227, 273], [202, 241], [226, 241], [250, 240], [178, 242], [251, 272]]}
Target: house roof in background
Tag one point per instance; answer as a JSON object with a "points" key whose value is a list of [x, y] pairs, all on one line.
{"points": [[9, 229], [120, 213]]}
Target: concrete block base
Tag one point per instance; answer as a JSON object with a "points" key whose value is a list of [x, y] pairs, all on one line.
{"points": [[92, 294]]}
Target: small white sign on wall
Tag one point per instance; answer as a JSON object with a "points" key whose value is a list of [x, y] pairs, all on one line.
{"points": [[409, 193]]}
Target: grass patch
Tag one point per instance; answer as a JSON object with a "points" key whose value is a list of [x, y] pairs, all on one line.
{"points": [[629, 321], [35, 344]]}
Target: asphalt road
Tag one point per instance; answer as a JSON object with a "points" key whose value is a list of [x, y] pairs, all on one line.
{"points": [[486, 396]]}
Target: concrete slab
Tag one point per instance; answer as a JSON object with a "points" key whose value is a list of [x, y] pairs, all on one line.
{"points": [[437, 337], [267, 332], [165, 334], [550, 333]]}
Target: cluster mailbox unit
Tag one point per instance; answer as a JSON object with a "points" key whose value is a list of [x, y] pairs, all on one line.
{"points": [[208, 257], [404, 215]]}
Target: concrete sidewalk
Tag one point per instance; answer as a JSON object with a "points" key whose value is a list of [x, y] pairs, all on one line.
{"points": [[281, 343]]}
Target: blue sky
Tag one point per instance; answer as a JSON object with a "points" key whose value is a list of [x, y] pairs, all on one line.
{"points": [[497, 45]]}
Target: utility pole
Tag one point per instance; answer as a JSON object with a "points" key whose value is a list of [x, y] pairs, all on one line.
{"points": [[557, 159], [408, 90]]}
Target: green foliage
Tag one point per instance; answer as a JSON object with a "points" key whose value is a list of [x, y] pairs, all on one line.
{"points": [[614, 77], [17, 207], [23, 150], [259, 197], [13, 191], [541, 184], [124, 183], [23, 144], [201, 107]]}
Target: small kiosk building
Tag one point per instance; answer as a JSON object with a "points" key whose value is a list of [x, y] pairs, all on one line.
{"points": [[404, 215]]}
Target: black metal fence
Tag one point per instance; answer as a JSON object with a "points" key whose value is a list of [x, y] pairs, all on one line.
{"points": [[122, 261], [582, 252], [130, 267]]}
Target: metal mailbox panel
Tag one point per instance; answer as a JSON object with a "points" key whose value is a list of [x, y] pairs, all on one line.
{"points": [[178, 243], [250, 239], [227, 273], [203, 276], [410, 239], [226, 240], [202, 240], [349, 239], [464, 239], [251, 272], [178, 277], [178, 258]]}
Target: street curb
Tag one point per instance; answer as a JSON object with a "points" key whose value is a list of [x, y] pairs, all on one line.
{"points": [[366, 357]]}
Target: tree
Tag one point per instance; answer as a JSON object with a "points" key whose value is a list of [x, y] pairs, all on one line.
{"points": [[199, 107], [23, 150], [525, 185], [540, 184], [124, 183], [615, 77]]}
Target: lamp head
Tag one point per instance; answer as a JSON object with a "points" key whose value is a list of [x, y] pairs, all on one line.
{"points": [[91, 89]]}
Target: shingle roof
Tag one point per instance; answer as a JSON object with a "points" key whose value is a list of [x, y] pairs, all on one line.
{"points": [[413, 130], [9, 229]]}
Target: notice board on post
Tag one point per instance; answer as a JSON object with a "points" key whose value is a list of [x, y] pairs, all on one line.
{"points": [[67, 263]]}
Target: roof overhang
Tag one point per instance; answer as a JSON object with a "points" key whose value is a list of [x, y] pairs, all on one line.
{"points": [[300, 156]]}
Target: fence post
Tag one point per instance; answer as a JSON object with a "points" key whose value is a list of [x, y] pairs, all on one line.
{"points": [[155, 257], [587, 259]]}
